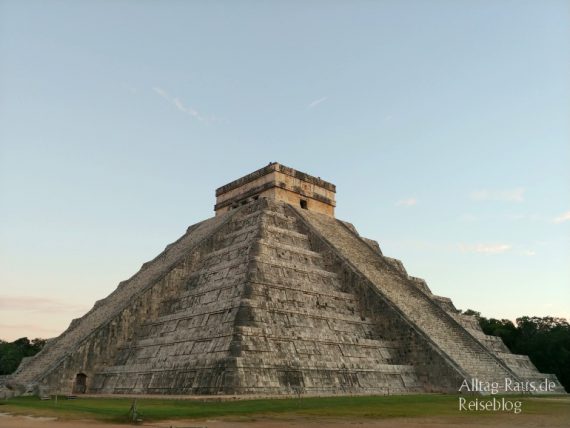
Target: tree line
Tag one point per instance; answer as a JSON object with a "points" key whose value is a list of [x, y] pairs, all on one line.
{"points": [[11, 353], [546, 341]]}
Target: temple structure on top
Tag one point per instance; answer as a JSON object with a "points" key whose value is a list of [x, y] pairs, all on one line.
{"points": [[281, 183]]}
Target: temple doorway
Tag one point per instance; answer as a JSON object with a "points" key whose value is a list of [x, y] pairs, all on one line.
{"points": [[80, 385]]}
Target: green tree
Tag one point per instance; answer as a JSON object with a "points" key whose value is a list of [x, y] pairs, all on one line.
{"points": [[546, 341], [11, 353]]}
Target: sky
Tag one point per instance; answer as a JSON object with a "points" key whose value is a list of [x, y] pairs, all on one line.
{"points": [[444, 124]]}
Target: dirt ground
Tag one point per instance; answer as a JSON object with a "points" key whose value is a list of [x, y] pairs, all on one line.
{"points": [[510, 421]]}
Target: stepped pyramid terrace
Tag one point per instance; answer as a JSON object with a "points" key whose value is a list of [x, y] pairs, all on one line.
{"points": [[272, 295]]}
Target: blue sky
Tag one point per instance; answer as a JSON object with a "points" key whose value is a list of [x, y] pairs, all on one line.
{"points": [[444, 124]]}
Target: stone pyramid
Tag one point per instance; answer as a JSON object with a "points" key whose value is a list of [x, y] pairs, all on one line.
{"points": [[273, 295]]}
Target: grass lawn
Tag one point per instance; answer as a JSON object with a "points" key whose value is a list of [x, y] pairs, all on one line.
{"points": [[150, 409]]}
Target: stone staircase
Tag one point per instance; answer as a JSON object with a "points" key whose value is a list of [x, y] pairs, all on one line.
{"points": [[300, 321], [444, 333]]}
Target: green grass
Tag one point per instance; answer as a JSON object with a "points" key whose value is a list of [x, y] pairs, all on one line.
{"points": [[117, 409]]}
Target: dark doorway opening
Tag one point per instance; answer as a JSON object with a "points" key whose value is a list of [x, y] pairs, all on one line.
{"points": [[80, 385], [303, 204]]}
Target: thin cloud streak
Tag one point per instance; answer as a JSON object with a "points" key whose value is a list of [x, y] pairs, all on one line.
{"points": [[315, 103], [410, 202], [179, 105], [512, 195], [161, 92]]}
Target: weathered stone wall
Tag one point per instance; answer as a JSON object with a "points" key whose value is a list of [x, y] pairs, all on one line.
{"points": [[280, 183]]}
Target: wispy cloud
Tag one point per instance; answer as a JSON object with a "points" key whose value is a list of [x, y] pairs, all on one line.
{"points": [[510, 195], [410, 202], [315, 103], [562, 217], [176, 102], [529, 253], [161, 92], [484, 248], [38, 304]]}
